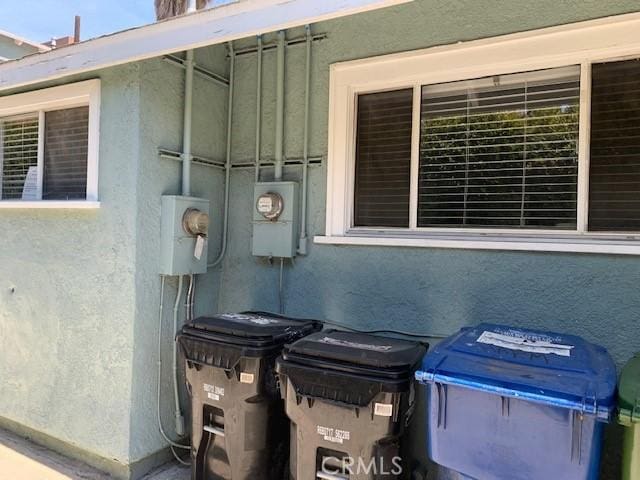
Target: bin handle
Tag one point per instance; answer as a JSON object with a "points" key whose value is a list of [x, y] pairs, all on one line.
{"points": [[330, 476], [215, 430], [576, 437], [441, 390]]}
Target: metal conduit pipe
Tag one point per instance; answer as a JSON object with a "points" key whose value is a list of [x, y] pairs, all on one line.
{"points": [[186, 134], [227, 167], [302, 244], [176, 395], [159, 416], [258, 107], [279, 143]]}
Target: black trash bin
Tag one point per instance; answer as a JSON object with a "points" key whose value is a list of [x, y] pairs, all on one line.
{"points": [[349, 397], [239, 429]]}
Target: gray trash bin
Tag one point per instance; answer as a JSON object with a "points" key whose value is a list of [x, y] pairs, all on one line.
{"points": [[349, 397], [239, 429]]}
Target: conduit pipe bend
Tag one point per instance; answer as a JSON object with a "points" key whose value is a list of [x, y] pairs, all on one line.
{"points": [[227, 166]]}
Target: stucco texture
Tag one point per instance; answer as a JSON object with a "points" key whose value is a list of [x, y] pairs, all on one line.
{"points": [[417, 289], [66, 298]]}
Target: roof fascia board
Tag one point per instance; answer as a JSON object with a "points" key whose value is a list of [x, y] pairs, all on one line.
{"points": [[208, 27], [19, 40]]}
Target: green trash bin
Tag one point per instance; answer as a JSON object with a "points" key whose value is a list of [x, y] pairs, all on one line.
{"points": [[629, 416]]}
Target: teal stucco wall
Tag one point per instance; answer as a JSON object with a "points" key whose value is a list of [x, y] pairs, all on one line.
{"points": [[416, 289], [67, 283]]}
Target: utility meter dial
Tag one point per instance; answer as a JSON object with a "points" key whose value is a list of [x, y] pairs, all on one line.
{"points": [[270, 205], [195, 222]]}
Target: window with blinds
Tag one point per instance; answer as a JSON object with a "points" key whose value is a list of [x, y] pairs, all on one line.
{"points": [[65, 154], [63, 161], [500, 152], [383, 159], [614, 173], [18, 154]]}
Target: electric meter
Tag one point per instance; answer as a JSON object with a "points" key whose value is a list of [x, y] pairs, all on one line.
{"points": [[270, 205], [195, 222]]}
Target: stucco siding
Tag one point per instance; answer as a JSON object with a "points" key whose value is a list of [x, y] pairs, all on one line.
{"points": [[67, 298]]}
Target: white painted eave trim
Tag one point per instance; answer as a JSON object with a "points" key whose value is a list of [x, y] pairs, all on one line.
{"points": [[19, 40], [207, 27], [49, 204], [482, 242]]}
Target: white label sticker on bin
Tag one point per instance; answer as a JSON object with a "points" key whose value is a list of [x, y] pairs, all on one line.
{"points": [[246, 377], [359, 346], [383, 409], [518, 340], [333, 435], [213, 392]]}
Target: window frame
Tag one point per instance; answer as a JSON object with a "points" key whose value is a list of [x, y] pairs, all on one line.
{"points": [[582, 44], [79, 94]]}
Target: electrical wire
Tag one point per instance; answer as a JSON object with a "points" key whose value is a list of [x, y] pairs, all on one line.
{"points": [[190, 298], [176, 393], [280, 287], [172, 443], [357, 330]]}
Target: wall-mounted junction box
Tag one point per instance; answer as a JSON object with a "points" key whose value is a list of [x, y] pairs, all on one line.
{"points": [[182, 252], [275, 219]]}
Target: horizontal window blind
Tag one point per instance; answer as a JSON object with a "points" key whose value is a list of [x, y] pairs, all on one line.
{"points": [[18, 153], [500, 152], [614, 174], [383, 159], [65, 154]]}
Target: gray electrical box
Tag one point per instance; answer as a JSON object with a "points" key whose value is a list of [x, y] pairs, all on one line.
{"points": [[183, 245], [275, 219]]}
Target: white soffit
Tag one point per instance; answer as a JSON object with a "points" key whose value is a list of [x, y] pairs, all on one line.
{"points": [[217, 25]]}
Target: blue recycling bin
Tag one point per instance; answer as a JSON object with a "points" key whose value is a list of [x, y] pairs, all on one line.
{"points": [[507, 403]]}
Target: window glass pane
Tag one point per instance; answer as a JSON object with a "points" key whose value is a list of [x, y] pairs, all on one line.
{"points": [[18, 154], [65, 154], [500, 152], [383, 159], [614, 173]]}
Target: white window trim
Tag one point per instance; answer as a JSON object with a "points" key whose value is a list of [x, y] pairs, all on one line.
{"points": [[78, 94], [583, 43]]}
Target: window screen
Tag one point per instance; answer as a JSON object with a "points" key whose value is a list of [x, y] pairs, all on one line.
{"points": [[383, 159], [65, 154], [614, 175], [500, 152], [18, 153]]}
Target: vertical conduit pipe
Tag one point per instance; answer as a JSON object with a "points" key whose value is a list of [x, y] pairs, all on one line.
{"points": [[302, 246], [227, 166], [279, 144], [188, 109], [258, 107], [176, 395]]}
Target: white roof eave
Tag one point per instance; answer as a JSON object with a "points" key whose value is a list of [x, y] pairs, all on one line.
{"points": [[214, 26]]}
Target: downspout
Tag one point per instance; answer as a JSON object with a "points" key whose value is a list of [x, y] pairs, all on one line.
{"points": [[258, 107], [227, 166], [302, 246], [188, 108], [279, 144]]}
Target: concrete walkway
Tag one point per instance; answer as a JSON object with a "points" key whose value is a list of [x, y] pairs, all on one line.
{"points": [[23, 460]]}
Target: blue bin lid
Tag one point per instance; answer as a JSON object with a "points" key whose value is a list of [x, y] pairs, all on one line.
{"points": [[551, 368]]}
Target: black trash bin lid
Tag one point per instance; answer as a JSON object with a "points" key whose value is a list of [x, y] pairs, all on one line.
{"points": [[357, 349], [258, 329]]}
